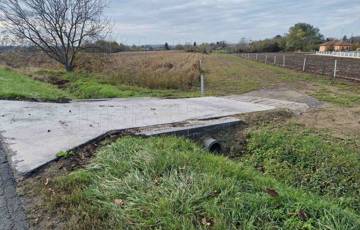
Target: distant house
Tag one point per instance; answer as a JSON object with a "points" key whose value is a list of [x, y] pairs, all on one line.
{"points": [[335, 45]]}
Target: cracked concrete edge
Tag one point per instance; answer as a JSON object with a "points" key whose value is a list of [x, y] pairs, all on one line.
{"points": [[12, 214]]}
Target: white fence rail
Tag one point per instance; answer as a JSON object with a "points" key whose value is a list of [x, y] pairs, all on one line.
{"points": [[349, 54]]}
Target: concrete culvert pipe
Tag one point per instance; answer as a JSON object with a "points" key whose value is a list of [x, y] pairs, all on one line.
{"points": [[212, 145]]}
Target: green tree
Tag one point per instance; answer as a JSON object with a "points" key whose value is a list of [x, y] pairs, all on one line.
{"points": [[58, 28], [167, 46], [104, 46], [303, 37], [275, 44]]}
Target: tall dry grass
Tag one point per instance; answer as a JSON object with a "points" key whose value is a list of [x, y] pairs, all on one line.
{"points": [[156, 70]]}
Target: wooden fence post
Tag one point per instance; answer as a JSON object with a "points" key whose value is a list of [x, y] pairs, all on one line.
{"points": [[266, 59], [335, 68], [284, 60], [256, 57], [202, 85], [304, 66], [275, 60]]}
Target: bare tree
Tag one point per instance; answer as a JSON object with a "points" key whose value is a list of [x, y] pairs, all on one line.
{"points": [[57, 27]]}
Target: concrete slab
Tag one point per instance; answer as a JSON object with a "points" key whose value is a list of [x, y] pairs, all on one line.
{"points": [[36, 132], [286, 94], [190, 128], [296, 107]]}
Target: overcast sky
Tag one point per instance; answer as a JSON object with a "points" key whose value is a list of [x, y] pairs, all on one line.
{"points": [[179, 21]]}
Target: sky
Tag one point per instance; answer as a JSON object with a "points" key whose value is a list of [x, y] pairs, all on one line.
{"points": [[180, 21]]}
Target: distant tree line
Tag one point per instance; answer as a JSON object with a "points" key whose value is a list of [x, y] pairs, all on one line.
{"points": [[203, 47], [301, 37], [103, 46]]}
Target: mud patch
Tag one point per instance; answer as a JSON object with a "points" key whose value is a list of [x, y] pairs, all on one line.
{"points": [[339, 121], [55, 80], [286, 94]]}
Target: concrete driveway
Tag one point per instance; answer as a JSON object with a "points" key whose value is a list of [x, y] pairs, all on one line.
{"points": [[35, 132]]}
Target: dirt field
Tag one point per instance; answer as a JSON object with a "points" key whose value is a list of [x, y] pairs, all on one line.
{"points": [[339, 121], [348, 68]]}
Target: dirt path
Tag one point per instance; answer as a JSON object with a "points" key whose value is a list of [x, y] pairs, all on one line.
{"points": [[12, 215]]}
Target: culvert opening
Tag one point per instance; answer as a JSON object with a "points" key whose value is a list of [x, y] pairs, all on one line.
{"points": [[216, 148], [213, 145]]}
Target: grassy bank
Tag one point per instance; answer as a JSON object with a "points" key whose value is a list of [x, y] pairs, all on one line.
{"points": [[308, 160], [171, 183], [59, 86], [92, 86], [16, 86]]}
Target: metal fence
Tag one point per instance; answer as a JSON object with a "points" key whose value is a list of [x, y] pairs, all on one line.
{"points": [[349, 54], [336, 67]]}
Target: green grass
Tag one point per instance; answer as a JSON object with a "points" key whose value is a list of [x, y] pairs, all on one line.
{"points": [[228, 74], [88, 86], [308, 160], [347, 98], [171, 183], [15, 86]]}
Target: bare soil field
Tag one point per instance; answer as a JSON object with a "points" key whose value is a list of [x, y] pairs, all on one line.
{"points": [[347, 68]]}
